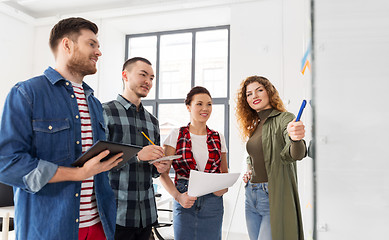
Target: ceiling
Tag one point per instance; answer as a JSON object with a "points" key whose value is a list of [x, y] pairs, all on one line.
{"points": [[40, 12], [51, 8]]}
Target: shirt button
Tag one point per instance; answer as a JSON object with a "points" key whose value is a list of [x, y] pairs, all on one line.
{"points": [[67, 83], [76, 194], [76, 219], [72, 96], [78, 142], [50, 127], [77, 116]]}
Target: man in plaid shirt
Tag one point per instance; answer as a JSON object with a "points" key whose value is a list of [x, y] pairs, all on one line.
{"points": [[126, 118]]}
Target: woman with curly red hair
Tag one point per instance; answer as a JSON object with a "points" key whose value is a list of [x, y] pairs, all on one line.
{"points": [[274, 144]]}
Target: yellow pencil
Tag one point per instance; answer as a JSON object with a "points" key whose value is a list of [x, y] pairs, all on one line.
{"points": [[147, 137]]}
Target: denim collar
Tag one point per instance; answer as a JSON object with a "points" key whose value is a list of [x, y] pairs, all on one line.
{"points": [[54, 77]]}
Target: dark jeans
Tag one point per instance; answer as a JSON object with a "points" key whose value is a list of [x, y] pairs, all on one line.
{"points": [[132, 233]]}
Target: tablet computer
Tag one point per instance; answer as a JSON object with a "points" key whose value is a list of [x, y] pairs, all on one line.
{"points": [[114, 148]]}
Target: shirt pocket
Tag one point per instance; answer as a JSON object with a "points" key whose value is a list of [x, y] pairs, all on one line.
{"points": [[52, 139]]}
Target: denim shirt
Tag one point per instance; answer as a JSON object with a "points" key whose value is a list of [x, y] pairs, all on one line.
{"points": [[40, 130]]}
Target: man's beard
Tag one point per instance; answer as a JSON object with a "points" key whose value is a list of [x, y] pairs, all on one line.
{"points": [[141, 95], [79, 65]]}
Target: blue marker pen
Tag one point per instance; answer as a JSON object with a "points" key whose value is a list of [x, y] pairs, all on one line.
{"points": [[301, 110]]}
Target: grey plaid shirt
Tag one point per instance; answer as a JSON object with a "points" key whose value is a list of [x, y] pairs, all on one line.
{"points": [[133, 183]]}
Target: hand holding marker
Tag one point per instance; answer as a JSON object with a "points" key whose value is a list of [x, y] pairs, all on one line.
{"points": [[301, 110], [296, 129], [147, 138], [163, 158]]}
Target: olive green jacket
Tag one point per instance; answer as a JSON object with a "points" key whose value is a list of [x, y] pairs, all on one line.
{"points": [[285, 212]]}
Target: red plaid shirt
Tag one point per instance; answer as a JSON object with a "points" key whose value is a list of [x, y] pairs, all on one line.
{"points": [[183, 165]]}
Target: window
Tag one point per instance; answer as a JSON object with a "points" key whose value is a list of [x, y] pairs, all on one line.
{"points": [[181, 60]]}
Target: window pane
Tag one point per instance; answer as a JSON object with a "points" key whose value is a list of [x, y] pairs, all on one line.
{"points": [[145, 47], [176, 115], [216, 121], [172, 116], [149, 108], [212, 61], [175, 65]]}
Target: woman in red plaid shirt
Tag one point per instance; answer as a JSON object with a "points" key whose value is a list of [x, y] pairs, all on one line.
{"points": [[202, 149]]}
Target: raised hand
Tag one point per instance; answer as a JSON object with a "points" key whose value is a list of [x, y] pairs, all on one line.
{"points": [[296, 130]]}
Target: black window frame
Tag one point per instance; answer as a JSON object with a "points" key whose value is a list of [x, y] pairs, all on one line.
{"points": [[157, 101]]}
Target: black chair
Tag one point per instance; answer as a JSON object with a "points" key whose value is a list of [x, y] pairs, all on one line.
{"points": [[163, 230], [6, 199]]}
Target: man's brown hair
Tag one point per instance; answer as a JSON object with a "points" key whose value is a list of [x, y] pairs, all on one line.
{"points": [[70, 27]]}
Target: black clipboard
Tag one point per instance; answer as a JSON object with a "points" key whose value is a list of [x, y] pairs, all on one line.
{"points": [[114, 148]]}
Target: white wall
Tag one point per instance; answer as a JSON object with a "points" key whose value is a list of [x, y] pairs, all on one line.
{"points": [[43, 56], [16, 44], [268, 37], [255, 50], [352, 52]]}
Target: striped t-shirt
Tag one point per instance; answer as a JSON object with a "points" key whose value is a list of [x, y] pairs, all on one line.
{"points": [[89, 215]]}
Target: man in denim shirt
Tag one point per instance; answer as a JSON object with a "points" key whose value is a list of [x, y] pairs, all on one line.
{"points": [[40, 137]]}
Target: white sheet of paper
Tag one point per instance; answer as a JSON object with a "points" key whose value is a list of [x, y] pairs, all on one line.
{"points": [[201, 183], [170, 158]]}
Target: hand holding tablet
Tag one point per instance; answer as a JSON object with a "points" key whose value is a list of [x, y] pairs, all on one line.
{"points": [[114, 148]]}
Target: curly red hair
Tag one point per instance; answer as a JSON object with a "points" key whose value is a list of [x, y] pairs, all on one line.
{"points": [[248, 117]]}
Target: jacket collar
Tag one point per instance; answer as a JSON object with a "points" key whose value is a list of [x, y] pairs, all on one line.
{"points": [[274, 113], [53, 76]]}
